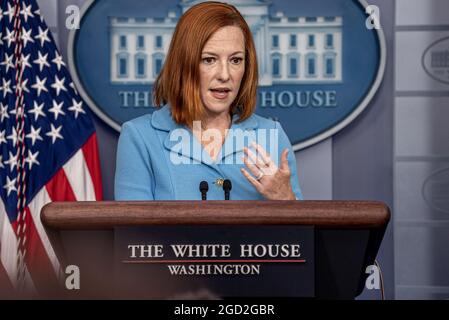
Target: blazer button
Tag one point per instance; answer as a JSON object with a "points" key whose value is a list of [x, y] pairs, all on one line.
{"points": [[219, 182]]}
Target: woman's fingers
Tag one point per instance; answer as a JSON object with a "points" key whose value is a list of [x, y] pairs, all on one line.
{"points": [[251, 179], [284, 161], [262, 153], [254, 159], [252, 167], [267, 166]]}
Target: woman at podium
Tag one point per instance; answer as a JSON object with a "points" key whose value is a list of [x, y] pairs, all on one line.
{"points": [[204, 132]]}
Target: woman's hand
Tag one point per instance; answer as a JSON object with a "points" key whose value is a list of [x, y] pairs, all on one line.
{"points": [[272, 182]]}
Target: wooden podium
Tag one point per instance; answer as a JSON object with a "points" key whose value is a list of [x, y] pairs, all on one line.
{"points": [[343, 238]]}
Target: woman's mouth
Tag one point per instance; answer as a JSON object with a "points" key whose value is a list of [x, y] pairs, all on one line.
{"points": [[220, 93]]}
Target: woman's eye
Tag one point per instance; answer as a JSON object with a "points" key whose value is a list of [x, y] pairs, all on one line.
{"points": [[208, 60], [236, 60]]}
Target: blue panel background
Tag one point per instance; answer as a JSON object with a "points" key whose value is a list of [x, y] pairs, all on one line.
{"points": [[360, 62]]}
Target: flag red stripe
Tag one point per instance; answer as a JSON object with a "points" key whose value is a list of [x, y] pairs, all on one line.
{"points": [[36, 258], [90, 152], [59, 188]]}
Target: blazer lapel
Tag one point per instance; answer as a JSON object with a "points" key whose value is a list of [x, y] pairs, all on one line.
{"points": [[179, 139], [240, 136]]}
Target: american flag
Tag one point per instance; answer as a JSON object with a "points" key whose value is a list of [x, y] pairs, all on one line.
{"points": [[48, 146]]}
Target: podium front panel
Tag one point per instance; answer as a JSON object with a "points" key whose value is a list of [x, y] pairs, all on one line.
{"points": [[214, 261]]}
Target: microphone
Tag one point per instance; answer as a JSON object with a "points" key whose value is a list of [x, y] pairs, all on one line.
{"points": [[204, 187], [227, 186]]}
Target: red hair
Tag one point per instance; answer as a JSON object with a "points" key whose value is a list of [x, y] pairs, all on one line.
{"points": [[178, 83]]}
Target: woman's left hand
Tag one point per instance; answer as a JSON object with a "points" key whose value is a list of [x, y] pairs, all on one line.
{"points": [[269, 180]]}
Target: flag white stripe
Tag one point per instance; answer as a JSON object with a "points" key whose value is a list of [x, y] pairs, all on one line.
{"points": [[8, 251], [8, 243], [79, 177], [35, 206], [29, 284]]}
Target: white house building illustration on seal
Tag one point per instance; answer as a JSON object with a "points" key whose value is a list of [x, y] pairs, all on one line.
{"points": [[290, 50]]}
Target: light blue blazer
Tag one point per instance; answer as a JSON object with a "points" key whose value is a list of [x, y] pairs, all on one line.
{"points": [[158, 161]]}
